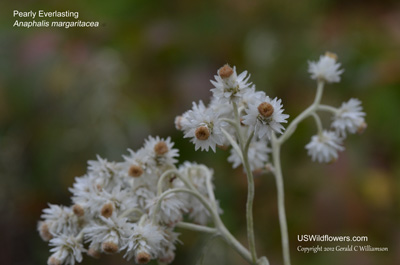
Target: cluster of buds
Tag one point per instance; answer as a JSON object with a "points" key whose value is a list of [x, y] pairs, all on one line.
{"points": [[121, 207]]}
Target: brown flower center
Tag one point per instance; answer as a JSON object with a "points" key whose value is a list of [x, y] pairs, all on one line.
{"points": [[135, 171], [202, 133], [160, 148], [107, 210], [225, 71], [94, 253], [53, 261], [143, 258], [109, 247], [78, 210], [266, 109]]}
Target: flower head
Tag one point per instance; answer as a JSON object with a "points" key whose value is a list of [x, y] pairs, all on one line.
{"points": [[204, 127], [228, 85], [326, 68], [349, 118], [67, 249], [324, 147], [266, 116]]}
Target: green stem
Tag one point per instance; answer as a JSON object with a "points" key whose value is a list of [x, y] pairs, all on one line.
{"points": [[195, 227]]}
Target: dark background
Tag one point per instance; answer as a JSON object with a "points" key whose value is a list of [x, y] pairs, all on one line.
{"points": [[69, 94]]}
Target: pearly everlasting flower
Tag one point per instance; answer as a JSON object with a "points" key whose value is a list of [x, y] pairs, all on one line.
{"points": [[228, 85], [60, 220], [257, 155], [67, 249], [349, 117], [204, 127], [112, 233], [160, 151], [145, 242], [324, 147], [326, 68], [171, 209], [265, 116], [167, 253]]}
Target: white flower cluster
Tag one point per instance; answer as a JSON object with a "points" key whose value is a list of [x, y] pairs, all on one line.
{"points": [[324, 146], [119, 206], [233, 100]]}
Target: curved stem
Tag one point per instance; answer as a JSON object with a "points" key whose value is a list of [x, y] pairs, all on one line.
{"points": [[195, 227], [327, 108], [317, 122], [281, 199], [306, 113], [167, 173], [131, 211]]}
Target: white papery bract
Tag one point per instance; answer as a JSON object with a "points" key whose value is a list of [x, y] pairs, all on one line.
{"points": [[146, 238], [113, 230], [160, 151], [324, 147], [326, 68], [257, 154], [263, 125], [228, 85], [61, 220], [204, 127], [67, 250], [171, 209], [349, 118]]}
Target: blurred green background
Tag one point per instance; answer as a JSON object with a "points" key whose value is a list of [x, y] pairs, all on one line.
{"points": [[69, 94]]}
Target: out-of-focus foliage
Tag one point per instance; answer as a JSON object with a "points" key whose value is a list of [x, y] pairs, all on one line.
{"points": [[69, 94]]}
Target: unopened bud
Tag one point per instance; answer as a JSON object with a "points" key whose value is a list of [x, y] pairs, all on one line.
{"points": [[265, 109], [109, 247], [161, 148], [361, 128], [331, 55], [53, 261], [78, 210], [107, 210], [135, 171], [44, 231], [142, 258], [94, 253], [202, 133], [178, 122], [225, 71]]}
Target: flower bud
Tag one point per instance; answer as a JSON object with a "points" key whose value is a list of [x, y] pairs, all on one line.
{"points": [[225, 72], [142, 257], [331, 55], [44, 231], [361, 128], [53, 261], [109, 247], [94, 253]]}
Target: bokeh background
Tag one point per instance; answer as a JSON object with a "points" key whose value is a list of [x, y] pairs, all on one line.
{"points": [[69, 94]]}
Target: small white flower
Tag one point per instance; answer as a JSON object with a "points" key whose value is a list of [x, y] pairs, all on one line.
{"points": [[324, 147], [112, 233], [326, 68], [266, 116], [349, 117], [257, 155], [167, 253], [171, 209], [61, 220], [66, 250], [145, 242], [204, 127], [160, 151], [228, 86]]}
